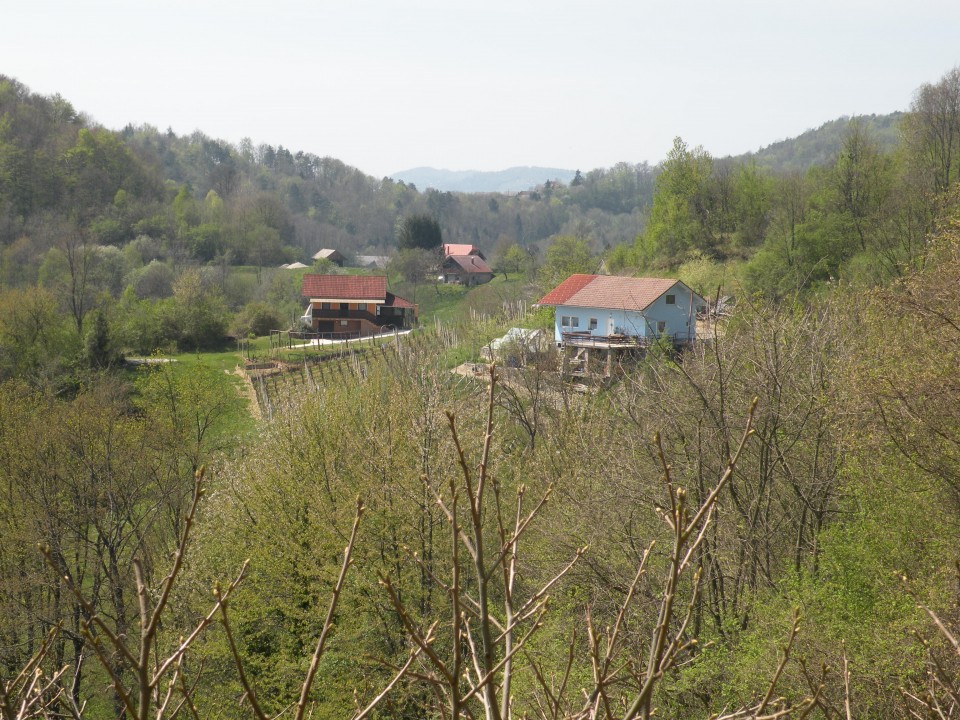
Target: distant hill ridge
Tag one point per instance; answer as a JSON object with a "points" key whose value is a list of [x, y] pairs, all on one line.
{"points": [[817, 146], [820, 146], [513, 179]]}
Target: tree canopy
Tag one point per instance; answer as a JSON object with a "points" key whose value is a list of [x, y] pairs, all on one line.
{"points": [[419, 232]]}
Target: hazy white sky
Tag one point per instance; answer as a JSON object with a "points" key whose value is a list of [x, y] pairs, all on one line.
{"points": [[386, 86]]}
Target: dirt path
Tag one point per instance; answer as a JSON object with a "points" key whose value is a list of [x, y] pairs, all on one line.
{"points": [[249, 392]]}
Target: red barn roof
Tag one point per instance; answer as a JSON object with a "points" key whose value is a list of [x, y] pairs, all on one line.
{"points": [[608, 291]]}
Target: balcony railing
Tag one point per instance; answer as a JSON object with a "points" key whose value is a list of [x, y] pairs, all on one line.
{"points": [[616, 341], [337, 314]]}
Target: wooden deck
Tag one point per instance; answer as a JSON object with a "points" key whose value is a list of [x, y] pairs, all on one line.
{"points": [[619, 342]]}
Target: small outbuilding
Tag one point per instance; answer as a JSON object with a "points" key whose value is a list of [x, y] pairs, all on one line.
{"points": [[334, 256], [518, 347]]}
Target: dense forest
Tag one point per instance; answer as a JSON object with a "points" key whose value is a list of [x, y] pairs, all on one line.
{"points": [[762, 526]]}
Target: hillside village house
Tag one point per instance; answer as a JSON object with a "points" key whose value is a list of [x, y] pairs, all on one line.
{"points": [[596, 307], [465, 270], [616, 314], [462, 249], [354, 305], [464, 264]]}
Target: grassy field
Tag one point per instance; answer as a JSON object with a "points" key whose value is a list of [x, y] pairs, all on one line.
{"points": [[216, 373], [450, 303], [454, 306]]}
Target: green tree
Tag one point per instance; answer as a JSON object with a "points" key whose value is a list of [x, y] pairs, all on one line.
{"points": [[154, 280], [861, 181], [190, 406], [256, 318], [419, 231], [932, 131], [516, 260], [679, 218], [566, 256], [36, 342], [752, 204], [197, 315], [414, 265], [98, 343]]}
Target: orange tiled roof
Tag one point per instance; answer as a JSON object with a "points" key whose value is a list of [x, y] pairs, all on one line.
{"points": [[608, 291], [459, 249], [347, 287], [398, 302]]}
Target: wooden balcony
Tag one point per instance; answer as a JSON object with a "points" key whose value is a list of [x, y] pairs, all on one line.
{"points": [[619, 342]]}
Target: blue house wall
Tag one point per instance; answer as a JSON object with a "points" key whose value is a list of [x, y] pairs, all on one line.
{"points": [[679, 317]]}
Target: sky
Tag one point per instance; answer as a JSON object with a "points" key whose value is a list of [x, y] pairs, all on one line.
{"points": [[388, 86]]}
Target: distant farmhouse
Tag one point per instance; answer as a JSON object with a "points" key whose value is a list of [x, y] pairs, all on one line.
{"points": [[354, 305], [372, 261], [462, 249], [464, 265], [465, 270], [334, 256]]}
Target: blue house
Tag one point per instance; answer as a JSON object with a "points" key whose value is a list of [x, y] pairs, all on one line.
{"points": [[617, 314]]}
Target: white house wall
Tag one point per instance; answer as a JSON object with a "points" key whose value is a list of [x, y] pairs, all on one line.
{"points": [[625, 322], [680, 318]]}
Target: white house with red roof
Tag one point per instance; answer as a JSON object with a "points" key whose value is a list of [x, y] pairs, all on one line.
{"points": [[610, 311], [353, 305]]}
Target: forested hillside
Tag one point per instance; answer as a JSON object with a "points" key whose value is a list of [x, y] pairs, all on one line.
{"points": [[820, 146], [514, 180], [763, 525], [200, 199]]}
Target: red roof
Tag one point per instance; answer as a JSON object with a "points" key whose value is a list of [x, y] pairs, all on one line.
{"points": [[470, 263], [460, 249], [345, 287], [398, 302], [608, 291], [567, 289]]}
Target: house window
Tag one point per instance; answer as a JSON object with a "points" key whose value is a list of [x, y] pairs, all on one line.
{"points": [[569, 321], [671, 299], [362, 307], [344, 322], [661, 327], [593, 324], [324, 306]]}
